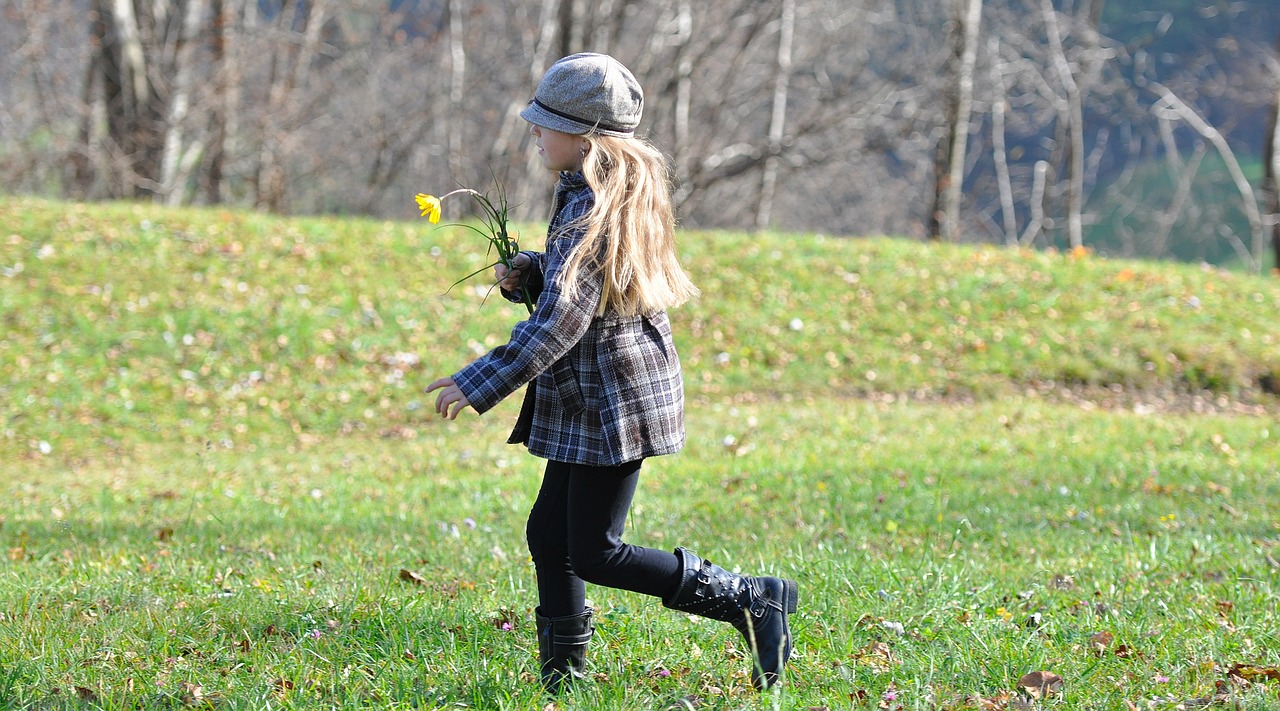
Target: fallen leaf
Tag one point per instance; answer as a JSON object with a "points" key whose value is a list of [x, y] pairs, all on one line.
{"points": [[876, 655], [1252, 673], [972, 702], [1040, 684], [1124, 651], [192, 694], [1100, 641], [411, 577]]}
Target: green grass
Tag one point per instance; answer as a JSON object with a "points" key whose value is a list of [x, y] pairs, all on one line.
{"points": [[215, 462]]}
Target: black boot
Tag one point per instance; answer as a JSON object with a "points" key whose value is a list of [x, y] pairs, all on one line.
{"points": [[562, 648], [756, 607]]}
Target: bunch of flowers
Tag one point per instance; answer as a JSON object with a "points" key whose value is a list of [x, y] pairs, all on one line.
{"points": [[493, 215]]}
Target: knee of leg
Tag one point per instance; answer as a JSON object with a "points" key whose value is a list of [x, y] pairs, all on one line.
{"points": [[534, 540], [594, 566]]}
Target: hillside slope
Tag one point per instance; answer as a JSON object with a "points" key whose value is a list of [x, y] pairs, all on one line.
{"points": [[127, 322]]}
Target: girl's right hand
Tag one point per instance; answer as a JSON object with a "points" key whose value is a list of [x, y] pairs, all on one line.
{"points": [[509, 279]]}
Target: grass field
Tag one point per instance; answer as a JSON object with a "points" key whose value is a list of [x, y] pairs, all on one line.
{"points": [[221, 487]]}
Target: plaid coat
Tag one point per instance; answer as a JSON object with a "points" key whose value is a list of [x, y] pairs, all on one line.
{"points": [[603, 390]]}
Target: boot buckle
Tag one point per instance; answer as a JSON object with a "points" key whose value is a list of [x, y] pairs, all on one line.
{"points": [[759, 606], [703, 577]]}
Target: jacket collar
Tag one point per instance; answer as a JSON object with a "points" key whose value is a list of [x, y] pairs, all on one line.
{"points": [[571, 180]]}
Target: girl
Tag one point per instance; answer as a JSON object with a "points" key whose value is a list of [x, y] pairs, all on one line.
{"points": [[605, 389]]}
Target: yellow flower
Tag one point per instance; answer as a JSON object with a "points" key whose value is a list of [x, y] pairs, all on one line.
{"points": [[493, 215], [429, 205]]}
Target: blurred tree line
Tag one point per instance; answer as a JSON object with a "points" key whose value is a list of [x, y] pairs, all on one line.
{"points": [[1097, 124]]}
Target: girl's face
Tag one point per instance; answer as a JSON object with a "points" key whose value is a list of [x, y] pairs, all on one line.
{"points": [[559, 151]]}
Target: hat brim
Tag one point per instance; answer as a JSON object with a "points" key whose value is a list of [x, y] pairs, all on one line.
{"points": [[538, 116]]}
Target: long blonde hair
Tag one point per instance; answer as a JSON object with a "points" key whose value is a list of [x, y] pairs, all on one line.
{"points": [[630, 231]]}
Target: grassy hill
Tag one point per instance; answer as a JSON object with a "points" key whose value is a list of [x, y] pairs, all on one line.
{"points": [[221, 487], [127, 321]]}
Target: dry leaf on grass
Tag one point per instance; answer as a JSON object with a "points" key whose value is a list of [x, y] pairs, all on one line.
{"points": [[1040, 684], [1254, 674], [411, 577], [878, 656]]}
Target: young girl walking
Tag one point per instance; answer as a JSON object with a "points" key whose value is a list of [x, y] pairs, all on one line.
{"points": [[604, 382]]}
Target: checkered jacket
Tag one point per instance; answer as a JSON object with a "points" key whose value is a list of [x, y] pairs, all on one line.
{"points": [[603, 390]]}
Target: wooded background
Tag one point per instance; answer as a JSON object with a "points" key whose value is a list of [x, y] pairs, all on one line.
{"points": [[1096, 124]]}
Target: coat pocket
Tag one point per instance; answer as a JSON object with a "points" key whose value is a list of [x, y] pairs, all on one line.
{"points": [[567, 388]]}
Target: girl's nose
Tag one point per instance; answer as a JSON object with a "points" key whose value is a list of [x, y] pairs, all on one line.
{"points": [[533, 130]]}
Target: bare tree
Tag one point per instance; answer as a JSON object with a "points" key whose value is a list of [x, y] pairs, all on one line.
{"points": [[849, 116], [971, 18], [1072, 110], [220, 104], [778, 117], [181, 153], [999, 150], [132, 101], [1169, 102], [1271, 163]]}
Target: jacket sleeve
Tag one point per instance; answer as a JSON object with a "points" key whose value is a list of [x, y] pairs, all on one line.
{"points": [[554, 328]]}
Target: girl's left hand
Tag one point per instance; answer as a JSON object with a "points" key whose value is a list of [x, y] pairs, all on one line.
{"points": [[450, 401]]}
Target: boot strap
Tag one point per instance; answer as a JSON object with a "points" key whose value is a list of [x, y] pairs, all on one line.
{"points": [[704, 579], [583, 638], [760, 604]]}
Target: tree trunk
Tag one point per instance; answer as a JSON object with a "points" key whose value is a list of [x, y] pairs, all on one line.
{"points": [[87, 163], [1271, 184], [110, 60], [565, 19], [1036, 223], [530, 190], [684, 86], [1000, 156], [176, 160], [936, 222], [971, 22], [1074, 116], [457, 86], [211, 176], [290, 68], [778, 120]]}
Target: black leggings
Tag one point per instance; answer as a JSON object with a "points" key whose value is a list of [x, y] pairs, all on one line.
{"points": [[575, 536]]}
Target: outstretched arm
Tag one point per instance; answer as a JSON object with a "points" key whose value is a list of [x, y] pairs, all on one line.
{"points": [[450, 401]]}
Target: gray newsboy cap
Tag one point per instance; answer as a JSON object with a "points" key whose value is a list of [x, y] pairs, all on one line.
{"points": [[585, 93]]}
